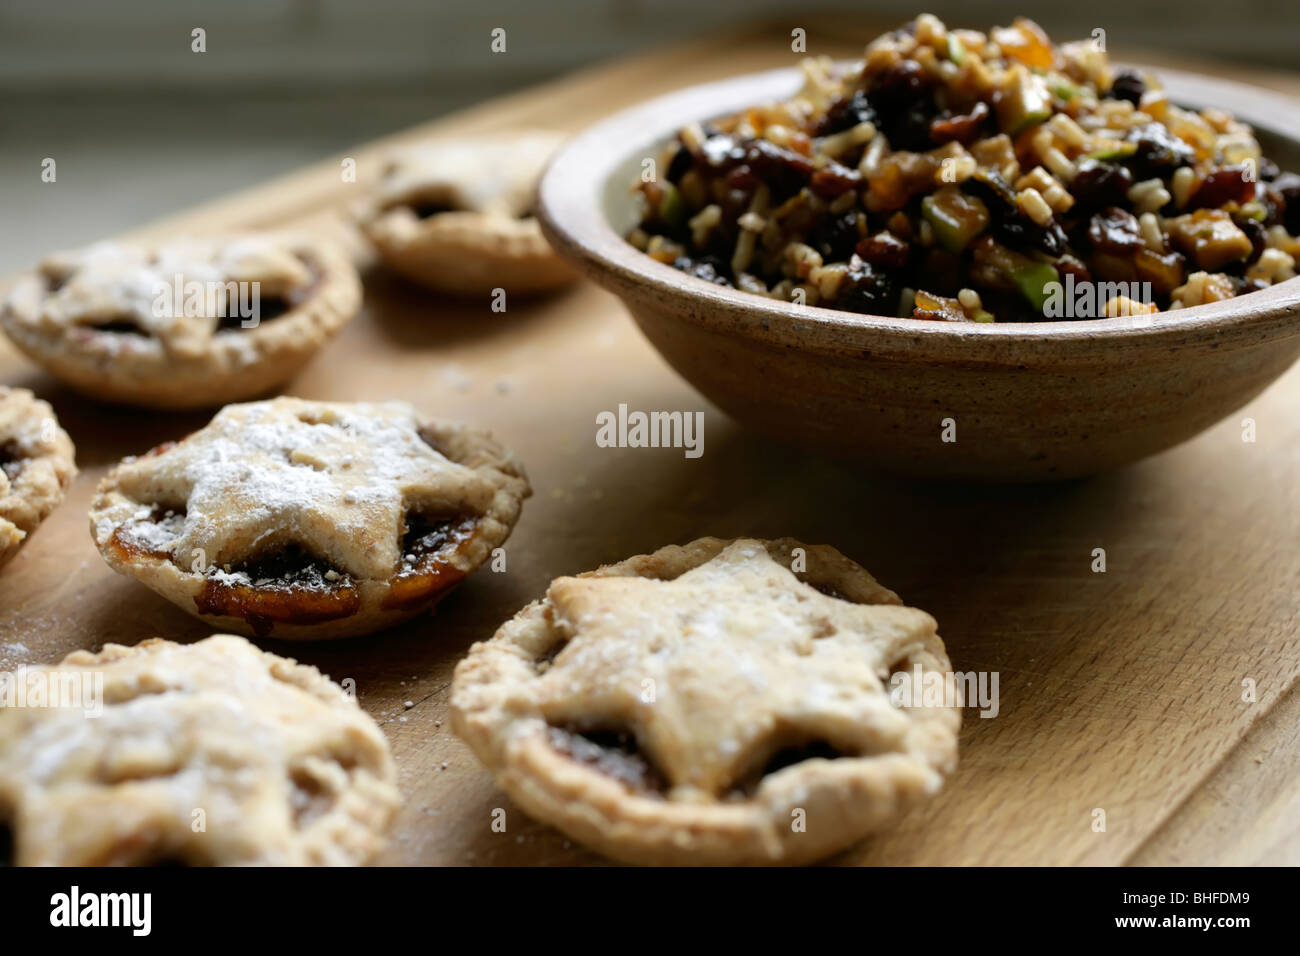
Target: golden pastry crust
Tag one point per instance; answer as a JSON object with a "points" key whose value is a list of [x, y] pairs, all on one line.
{"points": [[160, 326], [476, 233], [706, 705], [36, 466], [305, 520], [214, 753]]}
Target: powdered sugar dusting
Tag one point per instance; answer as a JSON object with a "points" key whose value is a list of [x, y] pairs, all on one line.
{"points": [[336, 480], [173, 292]]}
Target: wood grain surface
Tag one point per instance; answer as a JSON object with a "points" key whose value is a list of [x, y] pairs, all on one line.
{"points": [[1119, 691]]}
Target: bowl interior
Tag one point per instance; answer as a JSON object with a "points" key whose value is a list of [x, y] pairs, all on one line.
{"points": [[622, 211], [588, 206]]}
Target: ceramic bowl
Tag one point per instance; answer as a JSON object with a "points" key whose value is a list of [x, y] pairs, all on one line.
{"points": [[1023, 401]]}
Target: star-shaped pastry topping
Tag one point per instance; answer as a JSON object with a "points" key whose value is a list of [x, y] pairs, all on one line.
{"points": [[715, 671], [494, 175], [336, 480], [177, 292]]}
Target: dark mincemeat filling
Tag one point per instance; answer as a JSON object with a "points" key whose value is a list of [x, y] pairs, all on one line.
{"points": [[1097, 240], [617, 755], [292, 569], [12, 459], [614, 754]]}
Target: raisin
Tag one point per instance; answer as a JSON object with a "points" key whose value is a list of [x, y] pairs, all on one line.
{"points": [[742, 179], [848, 112], [785, 171], [1115, 231], [900, 84], [708, 268], [1158, 150], [910, 130], [942, 270], [905, 104], [1017, 231], [722, 152], [1257, 235], [838, 236], [1268, 170], [1274, 205], [1069, 265], [1287, 188], [988, 185], [883, 251], [1054, 240], [1129, 86], [1241, 286], [866, 290], [963, 128], [834, 180], [1098, 184], [680, 164]]}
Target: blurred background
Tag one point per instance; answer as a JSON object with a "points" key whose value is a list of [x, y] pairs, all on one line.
{"points": [[142, 126]]}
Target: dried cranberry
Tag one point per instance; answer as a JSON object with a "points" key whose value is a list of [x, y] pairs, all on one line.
{"points": [[884, 251], [1128, 85], [708, 268], [848, 112], [963, 128], [1098, 184], [1225, 185], [1115, 231]]}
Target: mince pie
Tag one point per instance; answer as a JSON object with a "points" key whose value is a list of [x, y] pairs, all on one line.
{"points": [[189, 323], [304, 520], [708, 705], [213, 753], [458, 216], [36, 466]]}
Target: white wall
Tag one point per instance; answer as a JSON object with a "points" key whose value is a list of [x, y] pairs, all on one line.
{"points": [[314, 45]]}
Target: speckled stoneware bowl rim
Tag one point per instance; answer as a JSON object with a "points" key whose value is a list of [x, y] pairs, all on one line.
{"points": [[574, 199]]}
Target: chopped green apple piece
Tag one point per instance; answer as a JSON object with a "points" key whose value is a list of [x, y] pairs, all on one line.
{"points": [[672, 211], [1032, 280], [1063, 88], [1114, 151], [1253, 210], [1025, 101], [955, 217], [956, 50]]}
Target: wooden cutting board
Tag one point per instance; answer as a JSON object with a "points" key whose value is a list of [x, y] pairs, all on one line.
{"points": [[1119, 691]]}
